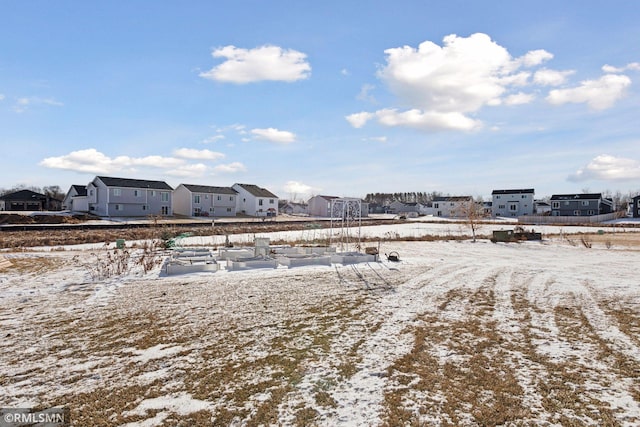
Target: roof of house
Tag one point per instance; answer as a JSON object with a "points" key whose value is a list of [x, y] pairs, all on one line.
{"points": [[518, 191], [328, 198], [209, 189], [23, 195], [134, 183], [81, 190], [452, 198], [583, 196], [257, 191]]}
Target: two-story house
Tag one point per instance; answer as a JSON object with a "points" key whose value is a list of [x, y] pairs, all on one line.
{"points": [[255, 201], [512, 203], [108, 196], [204, 200], [450, 206], [320, 206], [587, 204]]}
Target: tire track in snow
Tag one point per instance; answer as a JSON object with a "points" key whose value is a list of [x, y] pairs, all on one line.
{"points": [[361, 396]]}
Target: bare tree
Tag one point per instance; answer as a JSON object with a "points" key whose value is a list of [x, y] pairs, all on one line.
{"points": [[472, 211]]}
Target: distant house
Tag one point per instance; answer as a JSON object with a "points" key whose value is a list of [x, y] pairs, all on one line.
{"points": [[450, 206], [320, 206], [120, 197], [27, 200], [402, 208], [587, 204], [635, 206], [333, 206], [512, 203], [76, 199], [293, 208], [541, 207], [204, 200], [255, 201]]}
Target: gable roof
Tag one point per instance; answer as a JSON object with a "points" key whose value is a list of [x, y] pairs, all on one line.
{"points": [[23, 195], [452, 198], [256, 191], [209, 189], [520, 191], [134, 183], [81, 190]]}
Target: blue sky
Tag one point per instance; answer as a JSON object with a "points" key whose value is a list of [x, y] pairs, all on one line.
{"points": [[338, 98]]}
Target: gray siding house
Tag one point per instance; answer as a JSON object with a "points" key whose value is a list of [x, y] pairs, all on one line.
{"points": [[255, 201], [76, 199], [587, 204], [512, 203], [320, 206], [204, 200], [121, 197]]}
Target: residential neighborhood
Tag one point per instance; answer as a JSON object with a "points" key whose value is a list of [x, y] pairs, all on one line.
{"points": [[108, 196]]}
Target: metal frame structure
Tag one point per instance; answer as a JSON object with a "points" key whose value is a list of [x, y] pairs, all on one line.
{"points": [[346, 213]]}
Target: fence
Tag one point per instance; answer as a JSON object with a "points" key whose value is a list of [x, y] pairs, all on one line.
{"points": [[593, 219]]}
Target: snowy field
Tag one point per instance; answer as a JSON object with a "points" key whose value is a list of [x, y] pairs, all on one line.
{"points": [[456, 333]]}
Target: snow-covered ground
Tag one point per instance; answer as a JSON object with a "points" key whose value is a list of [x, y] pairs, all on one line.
{"points": [[456, 333]]}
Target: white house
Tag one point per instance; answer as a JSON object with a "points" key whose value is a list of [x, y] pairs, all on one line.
{"points": [[76, 199], [108, 196], [204, 200], [450, 206], [255, 201], [512, 203]]}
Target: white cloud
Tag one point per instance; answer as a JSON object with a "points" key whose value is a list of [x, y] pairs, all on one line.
{"points": [[546, 77], [1, 97], [24, 103], [299, 190], [365, 95], [519, 98], [430, 120], [189, 171], [598, 94], [89, 160], [262, 63], [93, 161], [635, 66], [212, 139], [442, 85], [358, 120], [190, 153], [274, 135], [608, 168], [230, 168]]}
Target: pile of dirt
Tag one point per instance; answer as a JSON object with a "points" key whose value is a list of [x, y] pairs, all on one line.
{"points": [[10, 218]]}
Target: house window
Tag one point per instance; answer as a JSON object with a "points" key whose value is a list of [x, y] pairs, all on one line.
{"points": [[523, 196], [219, 198], [501, 206], [513, 207], [270, 201], [497, 197], [91, 193], [136, 193], [259, 202], [164, 196], [117, 192], [153, 193], [639, 203], [585, 203], [231, 198], [144, 207], [555, 205], [206, 197], [196, 198], [436, 206], [576, 213], [164, 210], [228, 209], [118, 207], [591, 212]]}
